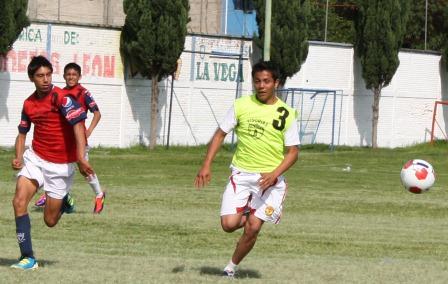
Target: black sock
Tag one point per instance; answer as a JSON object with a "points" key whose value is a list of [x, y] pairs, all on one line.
{"points": [[23, 230]]}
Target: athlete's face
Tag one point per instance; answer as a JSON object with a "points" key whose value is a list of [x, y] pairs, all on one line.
{"points": [[71, 77], [42, 80], [265, 86]]}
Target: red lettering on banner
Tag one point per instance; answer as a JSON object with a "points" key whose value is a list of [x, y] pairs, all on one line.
{"points": [[75, 58], [86, 64], [32, 53], [12, 59], [97, 66], [92, 64], [22, 61], [109, 66], [55, 62]]}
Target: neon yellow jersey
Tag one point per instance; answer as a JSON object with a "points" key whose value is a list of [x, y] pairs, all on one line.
{"points": [[260, 129]]}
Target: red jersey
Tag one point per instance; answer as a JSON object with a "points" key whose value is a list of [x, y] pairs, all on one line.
{"points": [[53, 117], [84, 98]]}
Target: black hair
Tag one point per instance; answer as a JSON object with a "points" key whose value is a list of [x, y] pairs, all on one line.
{"points": [[37, 62], [269, 66], [72, 65]]}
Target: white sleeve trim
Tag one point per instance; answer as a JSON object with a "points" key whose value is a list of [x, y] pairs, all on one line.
{"points": [[291, 137], [229, 121]]}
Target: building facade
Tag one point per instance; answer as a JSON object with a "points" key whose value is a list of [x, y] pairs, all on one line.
{"points": [[205, 15]]}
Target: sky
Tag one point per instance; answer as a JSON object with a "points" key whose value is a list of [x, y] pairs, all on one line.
{"points": [[239, 23]]}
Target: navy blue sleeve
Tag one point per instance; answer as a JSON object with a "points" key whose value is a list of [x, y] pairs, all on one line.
{"points": [[25, 123], [72, 110], [90, 102]]}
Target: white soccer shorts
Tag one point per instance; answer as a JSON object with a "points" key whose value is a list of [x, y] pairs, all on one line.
{"points": [[242, 192], [56, 179]]}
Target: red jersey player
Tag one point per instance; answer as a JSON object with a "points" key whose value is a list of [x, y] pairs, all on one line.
{"points": [[58, 142], [72, 75]]}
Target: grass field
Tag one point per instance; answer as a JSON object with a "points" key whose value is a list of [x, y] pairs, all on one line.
{"points": [[338, 226]]}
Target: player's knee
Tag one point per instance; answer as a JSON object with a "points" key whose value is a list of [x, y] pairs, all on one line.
{"points": [[19, 203], [228, 226], [51, 221], [252, 231]]}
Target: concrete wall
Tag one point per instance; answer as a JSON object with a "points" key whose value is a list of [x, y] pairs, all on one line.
{"points": [[205, 14], [406, 105], [208, 81], [206, 84]]}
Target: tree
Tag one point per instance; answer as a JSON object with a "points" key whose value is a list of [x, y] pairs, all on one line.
{"points": [[152, 40], [445, 39], [13, 19], [380, 27], [339, 24], [415, 29], [289, 34]]}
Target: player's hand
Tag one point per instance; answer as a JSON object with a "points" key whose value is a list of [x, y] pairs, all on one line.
{"points": [[85, 168], [267, 180], [88, 133], [17, 164], [203, 177]]}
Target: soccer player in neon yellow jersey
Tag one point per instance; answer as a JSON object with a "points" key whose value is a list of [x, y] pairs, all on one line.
{"points": [[267, 147]]}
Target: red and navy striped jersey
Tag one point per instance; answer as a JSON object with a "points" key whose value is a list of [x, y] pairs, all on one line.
{"points": [[53, 117]]}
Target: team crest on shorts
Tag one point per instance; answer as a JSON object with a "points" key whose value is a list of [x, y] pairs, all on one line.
{"points": [[269, 211]]}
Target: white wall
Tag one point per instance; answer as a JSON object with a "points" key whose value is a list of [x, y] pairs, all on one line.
{"points": [[206, 86]]}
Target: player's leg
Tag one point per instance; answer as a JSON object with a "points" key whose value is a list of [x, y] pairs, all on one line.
{"points": [[25, 190], [248, 239], [58, 180], [94, 183], [266, 206], [52, 211], [30, 178], [245, 244], [235, 201]]}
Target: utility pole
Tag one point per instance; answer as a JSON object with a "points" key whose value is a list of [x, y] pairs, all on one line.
{"points": [[326, 22], [426, 21], [267, 31]]}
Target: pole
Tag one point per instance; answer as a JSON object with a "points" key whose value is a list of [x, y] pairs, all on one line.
{"points": [[169, 112], [426, 21], [267, 31], [59, 10], [326, 22]]}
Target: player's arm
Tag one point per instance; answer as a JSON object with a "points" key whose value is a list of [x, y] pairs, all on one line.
{"points": [[24, 127], [291, 142], [96, 118], [17, 162], [291, 156], [84, 167], [92, 107], [204, 175], [74, 114]]}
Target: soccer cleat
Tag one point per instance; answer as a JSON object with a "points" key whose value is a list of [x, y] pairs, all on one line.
{"points": [[68, 204], [228, 273], [41, 201], [99, 203], [26, 263]]}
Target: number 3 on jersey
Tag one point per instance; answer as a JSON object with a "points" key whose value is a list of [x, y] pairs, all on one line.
{"points": [[280, 123]]}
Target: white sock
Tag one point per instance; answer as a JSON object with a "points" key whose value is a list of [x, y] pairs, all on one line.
{"points": [[231, 266], [94, 184]]}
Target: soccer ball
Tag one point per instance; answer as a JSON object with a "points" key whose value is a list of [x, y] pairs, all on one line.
{"points": [[417, 176]]}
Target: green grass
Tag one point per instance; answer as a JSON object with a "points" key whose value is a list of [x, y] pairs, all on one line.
{"points": [[338, 227]]}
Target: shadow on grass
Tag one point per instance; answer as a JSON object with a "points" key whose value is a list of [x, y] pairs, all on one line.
{"points": [[243, 273], [77, 211], [178, 269], [9, 262]]}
